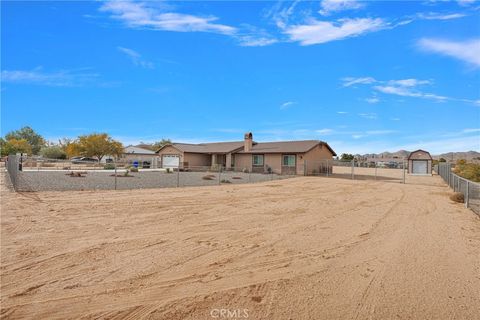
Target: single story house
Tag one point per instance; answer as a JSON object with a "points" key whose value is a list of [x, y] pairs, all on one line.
{"points": [[283, 157], [420, 162], [142, 157]]}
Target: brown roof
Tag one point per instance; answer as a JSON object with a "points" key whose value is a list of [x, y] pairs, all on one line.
{"points": [[258, 147], [216, 147], [419, 150], [287, 146]]}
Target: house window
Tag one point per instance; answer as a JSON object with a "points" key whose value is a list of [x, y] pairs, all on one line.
{"points": [[288, 160], [257, 160]]}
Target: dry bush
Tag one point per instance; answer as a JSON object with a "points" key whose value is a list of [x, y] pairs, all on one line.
{"points": [[76, 174], [237, 178], [208, 177], [457, 197]]}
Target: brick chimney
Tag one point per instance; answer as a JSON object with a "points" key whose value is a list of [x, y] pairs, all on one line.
{"points": [[248, 142]]}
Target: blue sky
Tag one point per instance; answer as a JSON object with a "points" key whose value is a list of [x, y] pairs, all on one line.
{"points": [[363, 76]]}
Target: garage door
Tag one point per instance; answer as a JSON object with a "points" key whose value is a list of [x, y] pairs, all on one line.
{"points": [[419, 167], [170, 161]]}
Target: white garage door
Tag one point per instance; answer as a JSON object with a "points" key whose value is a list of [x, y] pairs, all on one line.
{"points": [[419, 167], [170, 161]]}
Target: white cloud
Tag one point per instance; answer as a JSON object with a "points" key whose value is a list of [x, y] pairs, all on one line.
{"points": [[287, 104], [324, 131], [136, 58], [439, 16], [408, 92], [350, 81], [330, 6], [357, 136], [371, 115], [465, 3], [317, 32], [471, 130], [62, 78], [255, 41], [409, 82], [379, 132], [141, 15], [467, 51], [372, 100], [342, 112], [403, 87]]}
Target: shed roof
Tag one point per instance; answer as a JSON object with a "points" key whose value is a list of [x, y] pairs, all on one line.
{"points": [[413, 153]]}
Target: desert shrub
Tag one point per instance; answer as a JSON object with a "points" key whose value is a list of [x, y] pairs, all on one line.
{"points": [[208, 177], [169, 170], [237, 178], [245, 170], [109, 166], [225, 181], [457, 197], [133, 169], [470, 171], [53, 152]]}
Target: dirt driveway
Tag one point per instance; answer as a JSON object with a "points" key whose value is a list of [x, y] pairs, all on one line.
{"points": [[302, 248]]}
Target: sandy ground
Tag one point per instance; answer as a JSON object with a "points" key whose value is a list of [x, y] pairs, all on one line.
{"points": [[302, 248]]}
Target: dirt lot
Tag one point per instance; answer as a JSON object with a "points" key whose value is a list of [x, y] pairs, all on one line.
{"points": [[302, 248]]}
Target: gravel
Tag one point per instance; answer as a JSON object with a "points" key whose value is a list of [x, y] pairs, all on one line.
{"points": [[104, 180]]}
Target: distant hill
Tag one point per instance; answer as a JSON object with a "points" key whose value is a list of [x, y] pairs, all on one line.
{"points": [[449, 156], [454, 156]]}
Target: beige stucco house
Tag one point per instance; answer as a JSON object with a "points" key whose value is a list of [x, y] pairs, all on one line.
{"points": [[283, 157], [141, 157]]}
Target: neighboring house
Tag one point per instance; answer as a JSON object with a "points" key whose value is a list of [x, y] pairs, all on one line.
{"points": [[284, 157], [144, 158], [420, 162]]}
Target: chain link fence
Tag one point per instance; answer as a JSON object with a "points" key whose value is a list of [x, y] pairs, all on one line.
{"points": [[358, 170], [469, 189], [35, 174], [13, 169]]}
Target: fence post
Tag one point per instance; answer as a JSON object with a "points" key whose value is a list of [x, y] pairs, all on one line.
{"points": [[353, 169], [403, 166], [375, 170], [115, 165], [328, 169], [219, 175], [467, 195], [178, 177]]}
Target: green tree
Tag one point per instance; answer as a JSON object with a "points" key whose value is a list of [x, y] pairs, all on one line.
{"points": [[346, 157], [13, 146], [53, 152], [442, 160], [35, 140], [159, 144], [94, 145]]}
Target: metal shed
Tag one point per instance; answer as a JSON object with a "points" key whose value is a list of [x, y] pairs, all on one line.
{"points": [[420, 162]]}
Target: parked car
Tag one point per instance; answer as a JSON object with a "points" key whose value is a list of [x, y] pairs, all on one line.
{"points": [[80, 160]]}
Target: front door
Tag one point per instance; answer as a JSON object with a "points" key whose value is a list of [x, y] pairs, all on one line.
{"points": [[289, 164]]}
